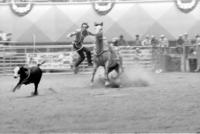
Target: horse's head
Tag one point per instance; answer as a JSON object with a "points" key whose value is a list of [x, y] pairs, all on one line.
{"points": [[98, 27]]}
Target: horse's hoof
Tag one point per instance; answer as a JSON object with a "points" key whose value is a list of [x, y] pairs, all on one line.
{"points": [[91, 84], [122, 70], [115, 85], [107, 83], [76, 69]]}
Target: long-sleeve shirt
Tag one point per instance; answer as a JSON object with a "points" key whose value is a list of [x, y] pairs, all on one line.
{"points": [[146, 42], [80, 36], [180, 42]]}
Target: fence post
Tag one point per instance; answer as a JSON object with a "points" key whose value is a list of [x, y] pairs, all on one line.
{"points": [[3, 66], [184, 58]]}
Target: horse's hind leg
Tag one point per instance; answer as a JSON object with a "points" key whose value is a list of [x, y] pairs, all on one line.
{"points": [[115, 68], [121, 64], [94, 72]]}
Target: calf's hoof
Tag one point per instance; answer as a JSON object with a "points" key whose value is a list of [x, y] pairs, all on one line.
{"points": [[34, 93], [75, 69]]}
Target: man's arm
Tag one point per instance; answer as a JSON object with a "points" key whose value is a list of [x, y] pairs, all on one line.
{"points": [[89, 33], [71, 34]]}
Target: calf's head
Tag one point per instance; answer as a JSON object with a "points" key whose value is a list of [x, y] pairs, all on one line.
{"points": [[19, 71]]}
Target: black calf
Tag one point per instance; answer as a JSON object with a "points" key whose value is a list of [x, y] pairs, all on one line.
{"points": [[27, 76]]}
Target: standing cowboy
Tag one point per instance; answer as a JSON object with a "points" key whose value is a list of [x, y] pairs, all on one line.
{"points": [[80, 35]]}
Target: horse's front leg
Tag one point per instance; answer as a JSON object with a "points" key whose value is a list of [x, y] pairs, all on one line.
{"points": [[106, 73], [94, 72], [121, 64]]}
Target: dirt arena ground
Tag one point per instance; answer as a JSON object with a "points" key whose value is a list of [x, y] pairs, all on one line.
{"points": [[67, 103]]}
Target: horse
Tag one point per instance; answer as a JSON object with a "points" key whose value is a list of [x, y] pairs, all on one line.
{"points": [[102, 57]]}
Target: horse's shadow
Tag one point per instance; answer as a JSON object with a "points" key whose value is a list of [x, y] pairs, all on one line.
{"points": [[100, 83]]}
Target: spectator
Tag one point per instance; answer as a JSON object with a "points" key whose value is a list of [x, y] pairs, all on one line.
{"points": [[180, 40], [122, 41], [137, 40], [186, 39], [197, 39], [187, 44], [154, 41], [179, 44], [5, 38], [164, 44], [146, 41], [2, 37], [197, 42], [154, 44], [155, 54], [9, 36]]}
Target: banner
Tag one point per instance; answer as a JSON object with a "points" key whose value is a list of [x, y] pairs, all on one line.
{"points": [[186, 5], [103, 7], [21, 7], [53, 61]]}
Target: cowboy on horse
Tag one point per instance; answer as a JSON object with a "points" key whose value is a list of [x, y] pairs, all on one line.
{"points": [[80, 35]]}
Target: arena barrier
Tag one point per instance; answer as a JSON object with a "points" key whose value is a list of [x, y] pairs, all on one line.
{"points": [[58, 58]]}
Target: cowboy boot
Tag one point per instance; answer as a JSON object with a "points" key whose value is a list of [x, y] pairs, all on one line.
{"points": [[75, 69]]}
